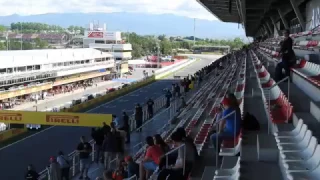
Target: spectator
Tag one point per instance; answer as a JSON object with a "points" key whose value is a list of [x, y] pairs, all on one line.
{"points": [[31, 174], [105, 128], [54, 169], [288, 57], [138, 116], [173, 90], [183, 103], [126, 126], [97, 136], [84, 149], [119, 173], [150, 104], [230, 126], [132, 167], [177, 89], [168, 97], [113, 145], [160, 142], [185, 159], [107, 175], [151, 160], [118, 122], [64, 165]]}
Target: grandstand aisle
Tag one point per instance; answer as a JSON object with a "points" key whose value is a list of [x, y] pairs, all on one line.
{"points": [[38, 148]]}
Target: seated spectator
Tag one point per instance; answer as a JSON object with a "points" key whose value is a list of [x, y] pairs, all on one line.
{"points": [[132, 167], [31, 174], [151, 159], [119, 173], [107, 175], [188, 140], [186, 159], [230, 126], [160, 142]]}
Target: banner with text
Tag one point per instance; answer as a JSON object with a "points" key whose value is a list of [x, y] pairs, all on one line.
{"points": [[55, 118]]}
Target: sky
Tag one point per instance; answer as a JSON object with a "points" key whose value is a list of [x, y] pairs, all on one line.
{"points": [[187, 8]]}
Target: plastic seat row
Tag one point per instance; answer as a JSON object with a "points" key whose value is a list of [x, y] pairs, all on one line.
{"points": [[279, 107], [205, 128], [308, 70], [299, 153], [208, 91]]}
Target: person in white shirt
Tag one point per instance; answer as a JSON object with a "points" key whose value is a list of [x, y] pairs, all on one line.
{"points": [[64, 165]]}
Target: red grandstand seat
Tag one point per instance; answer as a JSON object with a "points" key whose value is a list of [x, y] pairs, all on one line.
{"points": [[282, 109]]}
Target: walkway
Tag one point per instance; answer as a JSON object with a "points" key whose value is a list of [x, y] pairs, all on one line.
{"points": [[38, 148]]}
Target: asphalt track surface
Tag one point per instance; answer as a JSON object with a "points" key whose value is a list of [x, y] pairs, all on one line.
{"points": [[38, 148]]}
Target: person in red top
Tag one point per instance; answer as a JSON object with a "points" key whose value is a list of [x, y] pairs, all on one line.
{"points": [[151, 159]]}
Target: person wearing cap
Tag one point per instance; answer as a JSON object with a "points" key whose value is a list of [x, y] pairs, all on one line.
{"points": [[54, 169], [132, 167], [229, 127]]}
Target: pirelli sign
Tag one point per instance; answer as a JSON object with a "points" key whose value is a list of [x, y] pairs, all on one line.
{"points": [[55, 119]]}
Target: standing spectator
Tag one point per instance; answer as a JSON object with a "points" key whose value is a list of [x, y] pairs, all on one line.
{"points": [[126, 126], [105, 128], [64, 165], [31, 174], [150, 104], [138, 116], [54, 169], [168, 98], [177, 89], [118, 122], [173, 90], [132, 167], [151, 159], [97, 136], [84, 149]]}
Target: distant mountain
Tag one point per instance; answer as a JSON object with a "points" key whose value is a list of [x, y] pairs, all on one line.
{"points": [[168, 24]]}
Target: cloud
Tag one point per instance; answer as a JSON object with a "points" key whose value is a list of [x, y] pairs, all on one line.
{"points": [[188, 8]]}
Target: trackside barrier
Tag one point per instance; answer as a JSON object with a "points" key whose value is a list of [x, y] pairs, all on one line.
{"points": [[5, 135], [175, 69], [159, 103]]}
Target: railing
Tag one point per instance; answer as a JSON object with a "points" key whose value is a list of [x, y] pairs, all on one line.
{"points": [[217, 130]]}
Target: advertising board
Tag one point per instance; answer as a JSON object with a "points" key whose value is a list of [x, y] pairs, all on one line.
{"points": [[95, 34], [55, 118]]}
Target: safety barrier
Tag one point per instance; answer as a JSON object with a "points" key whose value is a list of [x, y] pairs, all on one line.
{"points": [[176, 68], [5, 135]]}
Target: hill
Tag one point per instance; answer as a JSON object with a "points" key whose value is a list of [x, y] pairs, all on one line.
{"points": [[144, 24]]}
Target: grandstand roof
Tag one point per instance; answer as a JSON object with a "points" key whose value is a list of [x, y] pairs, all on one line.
{"points": [[48, 56], [251, 13]]}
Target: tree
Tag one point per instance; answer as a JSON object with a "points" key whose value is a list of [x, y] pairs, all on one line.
{"points": [[2, 28]]}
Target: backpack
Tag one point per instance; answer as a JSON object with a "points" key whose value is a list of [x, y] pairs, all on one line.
{"points": [[250, 123]]}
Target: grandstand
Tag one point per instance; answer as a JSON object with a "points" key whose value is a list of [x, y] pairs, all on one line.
{"points": [[51, 38], [285, 144]]}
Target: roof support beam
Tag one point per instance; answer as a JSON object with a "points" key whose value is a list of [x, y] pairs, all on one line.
{"points": [[275, 25], [298, 14], [269, 27], [266, 29], [284, 21]]}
